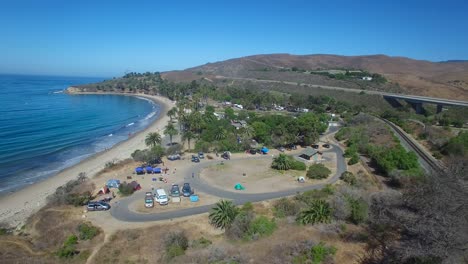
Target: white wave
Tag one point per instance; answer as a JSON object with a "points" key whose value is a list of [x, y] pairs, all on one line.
{"points": [[110, 135], [57, 92], [131, 124], [150, 115]]}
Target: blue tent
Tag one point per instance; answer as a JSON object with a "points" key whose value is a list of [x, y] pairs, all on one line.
{"points": [[149, 169], [113, 183], [265, 150], [194, 198], [139, 170], [156, 170]]}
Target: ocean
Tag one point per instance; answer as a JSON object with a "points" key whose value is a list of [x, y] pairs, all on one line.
{"points": [[43, 130]]}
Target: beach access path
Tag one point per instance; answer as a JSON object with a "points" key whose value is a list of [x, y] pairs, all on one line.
{"points": [[16, 207]]}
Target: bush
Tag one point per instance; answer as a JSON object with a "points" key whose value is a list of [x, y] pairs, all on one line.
{"points": [[298, 165], [318, 171], [308, 197], [87, 231], [319, 211], [285, 207], [354, 159], [321, 252], [68, 249], [201, 243], [348, 178], [175, 244], [71, 193], [261, 226], [126, 189], [240, 226], [359, 210]]}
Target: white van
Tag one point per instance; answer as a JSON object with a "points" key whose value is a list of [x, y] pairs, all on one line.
{"points": [[160, 197]]}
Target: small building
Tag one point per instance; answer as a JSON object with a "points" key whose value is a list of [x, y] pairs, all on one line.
{"points": [[308, 153], [239, 123], [367, 78]]}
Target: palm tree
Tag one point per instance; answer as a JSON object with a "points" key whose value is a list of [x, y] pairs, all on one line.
{"points": [[188, 135], [170, 130], [282, 162], [319, 212], [172, 113], [153, 139], [220, 133], [223, 214]]}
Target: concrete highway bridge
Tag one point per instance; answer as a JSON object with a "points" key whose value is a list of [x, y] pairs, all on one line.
{"points": [[418, 101]]}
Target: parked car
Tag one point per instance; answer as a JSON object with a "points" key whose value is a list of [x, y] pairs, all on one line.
{"points": [[201, 155], [315, 146], [186, 190], [160, 197], [253, 151], [326, 145], [175, 190], [195, 159], [173, 157], [97, 206], [149, 201], [282, 149]]}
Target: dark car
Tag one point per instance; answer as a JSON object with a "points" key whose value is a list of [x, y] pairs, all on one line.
{"points": [[186, 190], [315, 146], [253, 151], [195, 159], [175, 190], [97, 206], [201, 155], [326, 145], [282, 149]]}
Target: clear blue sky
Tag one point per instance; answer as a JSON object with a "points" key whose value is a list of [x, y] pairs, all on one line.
{"points": [[107, 38]]}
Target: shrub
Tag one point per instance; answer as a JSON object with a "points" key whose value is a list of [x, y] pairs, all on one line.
{"points": [[126, 189], [201, 243], [285, 207], [348, 178], [68, 249], [77, 199], [321, 252], [354, 159], [298, 165], [281, 162], [318, 212], [175, 244], [240, 226], [223, 214], [72, 192], [318, 171], [247, 207], [359, 210], [309, 197], [261, 226], [87, 231]]}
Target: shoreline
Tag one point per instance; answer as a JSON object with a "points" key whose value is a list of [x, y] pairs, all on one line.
{"points": [[16, 207]]}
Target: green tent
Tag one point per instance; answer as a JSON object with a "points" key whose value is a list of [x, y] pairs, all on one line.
{"points": [[239, 187]]}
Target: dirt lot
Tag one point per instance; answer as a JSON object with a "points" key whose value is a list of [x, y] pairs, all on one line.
{"points": [[259, 177]]}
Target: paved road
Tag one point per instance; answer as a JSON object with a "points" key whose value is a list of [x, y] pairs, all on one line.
{"points": [[399, 96], [121, 212]]}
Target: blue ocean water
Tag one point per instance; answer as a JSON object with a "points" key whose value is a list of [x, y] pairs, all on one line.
{"points": [[43, 130]]}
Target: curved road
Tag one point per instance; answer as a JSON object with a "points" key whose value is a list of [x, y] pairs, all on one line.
{"points": [[121, 212]]}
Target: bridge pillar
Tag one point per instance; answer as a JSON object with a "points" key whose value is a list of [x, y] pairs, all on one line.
{"points": [[439, 108]]}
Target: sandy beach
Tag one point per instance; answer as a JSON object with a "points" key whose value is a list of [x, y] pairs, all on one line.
{"points": [[16, 207]]}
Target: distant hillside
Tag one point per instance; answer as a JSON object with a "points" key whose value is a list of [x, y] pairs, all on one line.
{"points": [[439, 79]]}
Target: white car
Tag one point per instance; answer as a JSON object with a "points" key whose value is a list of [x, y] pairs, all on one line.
{"points": [[160, 197]]}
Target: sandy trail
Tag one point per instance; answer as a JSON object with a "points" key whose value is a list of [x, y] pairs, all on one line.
{"points": [[16, 207]]}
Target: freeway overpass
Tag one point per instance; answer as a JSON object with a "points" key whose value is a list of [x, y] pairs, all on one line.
{"points": [[417, 101]]}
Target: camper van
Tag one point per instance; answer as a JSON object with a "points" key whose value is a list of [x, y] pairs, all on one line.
{"points": [[160, 197], [149, 202]]}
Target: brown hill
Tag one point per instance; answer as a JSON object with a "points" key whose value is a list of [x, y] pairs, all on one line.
{"points": [[418, 77]]}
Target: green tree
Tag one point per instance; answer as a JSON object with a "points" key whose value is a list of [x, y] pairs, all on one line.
{"points": [[229, 113], [172, 112], [281, 162], [153, 139], [170, 130], [318, 212], [318, 171], [188, 135], [223, 214]]}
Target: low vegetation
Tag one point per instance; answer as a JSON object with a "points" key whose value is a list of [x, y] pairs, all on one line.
{"points": [[318, 171], [76, 192], [126, 189], [285, 162], [175, 244]]}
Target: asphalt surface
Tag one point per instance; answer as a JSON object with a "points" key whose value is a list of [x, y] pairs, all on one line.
{"points": [[121, 212]]}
